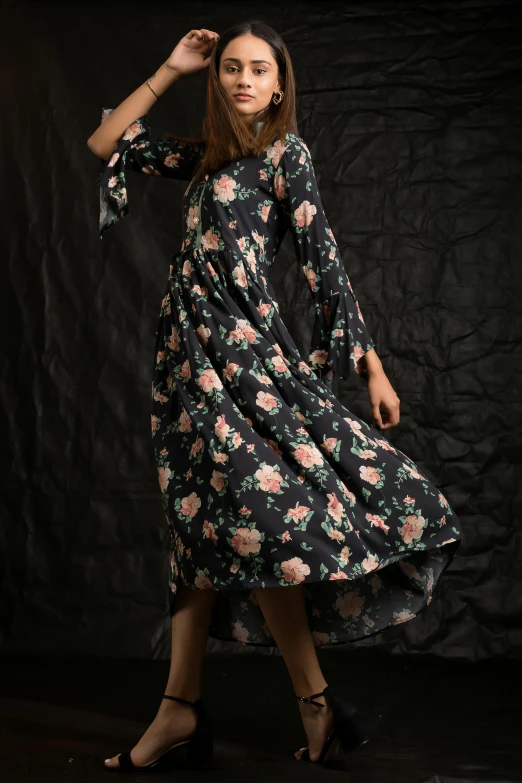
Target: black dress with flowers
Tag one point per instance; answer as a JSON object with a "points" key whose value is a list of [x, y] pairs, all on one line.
{"points": [[266, 479]]}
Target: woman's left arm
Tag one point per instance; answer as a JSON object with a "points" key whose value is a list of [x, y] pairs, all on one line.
{"points": [[341, 343]]}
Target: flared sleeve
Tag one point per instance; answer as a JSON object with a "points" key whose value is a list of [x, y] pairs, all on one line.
{"points": [[138, 151], [340, 337]]}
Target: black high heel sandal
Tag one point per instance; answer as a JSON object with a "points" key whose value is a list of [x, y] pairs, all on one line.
{"points": [[347, 734], [198, 748]]}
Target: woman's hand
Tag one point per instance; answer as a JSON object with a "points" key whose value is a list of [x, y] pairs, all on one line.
{"points": [[192, 54], [383, 400]]}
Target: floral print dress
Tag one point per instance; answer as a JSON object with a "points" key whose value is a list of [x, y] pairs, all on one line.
{"points": [[266, 479]]}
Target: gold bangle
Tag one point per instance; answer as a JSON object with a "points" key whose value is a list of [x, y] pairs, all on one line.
{"points": [[150, 86]]}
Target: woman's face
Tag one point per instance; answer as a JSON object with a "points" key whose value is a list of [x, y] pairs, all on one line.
{"points": [[248, 66]]}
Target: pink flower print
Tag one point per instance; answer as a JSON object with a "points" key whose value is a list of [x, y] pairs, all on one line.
{"points": [[132, 131], [275, 153], [221, 428], [345, 554], [442, 521], [349, 605], [197, 289], [250, 447], [184, 422], [234, 568], [335, 508], [219, 457], [224, 188], [203, 333], [338, 575], [248, 331], [412, 528], [173, 342], [196, 447], [302, 431], [185, 370], [164, 475], [413, 473], [304, 368], [187, 268], [358, 353], [172, 161], [241, 243], [368, 454], [336, 535], [246, 542], [239, 633], [270, 480], [409, 569], [403, 617], [211, 269], [230, 370], [209, 380], [339, 332], [240, 277], [280, 364], [294, 570], [307, 455], [273, 445], [370, 563], [264, 309], [331, 256], [299, 416], [286, 537], [251, 259], [112, 182], [410, 500], [304, 214], [233, 224], [265, 209], [266, 401], [297, 513], [114, 159], [190, 505], [210, 241], [202, 582], [263, 175], [279, 186], [386, 446], [377, 521], [160, 357], [443, 500], [217, 481], [154, 423], [237, 440], [311, 277], [244, 511], [320, 639], [371, 475], [209, 531], [318, 358], [329, 444]]}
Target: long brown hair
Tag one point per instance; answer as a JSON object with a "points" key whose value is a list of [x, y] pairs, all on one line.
{"points": [[225, 134]]}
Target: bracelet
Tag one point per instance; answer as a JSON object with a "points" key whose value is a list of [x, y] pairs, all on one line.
{"points": [[150, 85]]}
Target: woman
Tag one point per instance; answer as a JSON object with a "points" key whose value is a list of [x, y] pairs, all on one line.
{"points": [[267, 480]]}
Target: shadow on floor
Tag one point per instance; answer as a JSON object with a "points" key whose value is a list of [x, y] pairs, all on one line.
{"points": [[429, 720]]}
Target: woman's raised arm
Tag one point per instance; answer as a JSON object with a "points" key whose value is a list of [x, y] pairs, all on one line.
{"points": [[192, 54]]}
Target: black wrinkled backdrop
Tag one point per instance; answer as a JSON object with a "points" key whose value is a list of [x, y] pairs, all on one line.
{"points": [[413, 116]]}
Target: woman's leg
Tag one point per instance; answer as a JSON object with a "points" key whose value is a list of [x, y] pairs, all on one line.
{"points": [[284, 610], [175, 722]]}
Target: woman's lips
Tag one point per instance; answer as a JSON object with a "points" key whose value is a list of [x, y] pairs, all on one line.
{"points": [[243, 97]]}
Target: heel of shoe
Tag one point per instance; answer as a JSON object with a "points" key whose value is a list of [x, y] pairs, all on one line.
{"points": [[348, 724], [200, 749], [351, 732]]}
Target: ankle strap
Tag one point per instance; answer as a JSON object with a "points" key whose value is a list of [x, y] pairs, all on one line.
{"points": [[181, 701], [310, 699]]}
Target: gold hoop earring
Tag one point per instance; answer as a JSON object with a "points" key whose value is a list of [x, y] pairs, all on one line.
{"points": [[281, 95]]}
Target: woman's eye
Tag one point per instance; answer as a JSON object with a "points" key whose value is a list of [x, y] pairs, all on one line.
{"points": [[229, 67]]}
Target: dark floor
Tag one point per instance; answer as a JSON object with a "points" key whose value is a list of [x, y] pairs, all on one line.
{"points": [[430, 720]]}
